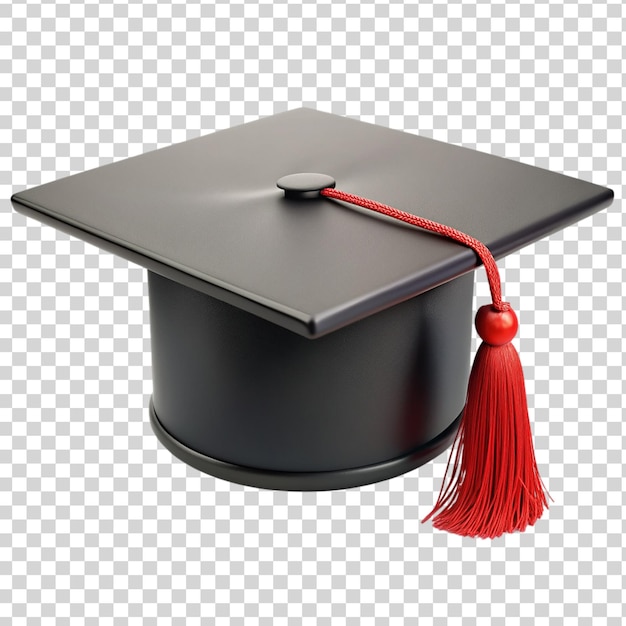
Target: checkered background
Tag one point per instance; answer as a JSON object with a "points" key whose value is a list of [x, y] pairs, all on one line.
{"points": [[99, 524]]}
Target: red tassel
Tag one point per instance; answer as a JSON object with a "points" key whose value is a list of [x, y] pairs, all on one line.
{"points": [[492, 485]]}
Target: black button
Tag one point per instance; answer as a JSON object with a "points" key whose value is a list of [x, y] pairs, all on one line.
{"points": [[304, 185]]}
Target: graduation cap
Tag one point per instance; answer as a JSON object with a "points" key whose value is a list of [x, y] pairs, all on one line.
{"points": [[310, 281]]}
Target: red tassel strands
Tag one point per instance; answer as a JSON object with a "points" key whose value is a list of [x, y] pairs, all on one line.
{"points": [[491, 485]]}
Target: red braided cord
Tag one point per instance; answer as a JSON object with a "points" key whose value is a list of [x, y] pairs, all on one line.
{"points": [[493, 275]]}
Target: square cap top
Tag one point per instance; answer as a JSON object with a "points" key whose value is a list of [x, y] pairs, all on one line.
{"points": [[208, 213]]}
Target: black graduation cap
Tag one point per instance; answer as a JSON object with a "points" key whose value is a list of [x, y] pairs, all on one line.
{"points": [[299, 341]]}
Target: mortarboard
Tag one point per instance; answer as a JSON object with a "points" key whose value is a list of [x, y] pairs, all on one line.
{"points": [[301, 340]]}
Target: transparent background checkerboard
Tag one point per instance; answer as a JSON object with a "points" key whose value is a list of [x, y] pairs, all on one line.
{"points": [[99, 524]]}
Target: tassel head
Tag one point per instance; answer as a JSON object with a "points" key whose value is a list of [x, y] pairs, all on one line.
{"points": [[496, 327]]}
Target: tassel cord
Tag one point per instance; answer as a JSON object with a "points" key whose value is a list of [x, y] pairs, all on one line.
{"points": [[484, 254]]}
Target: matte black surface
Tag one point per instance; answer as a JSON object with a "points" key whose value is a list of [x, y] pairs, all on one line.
{"points": [[304, 481], [237, 389], [209, 209]]}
